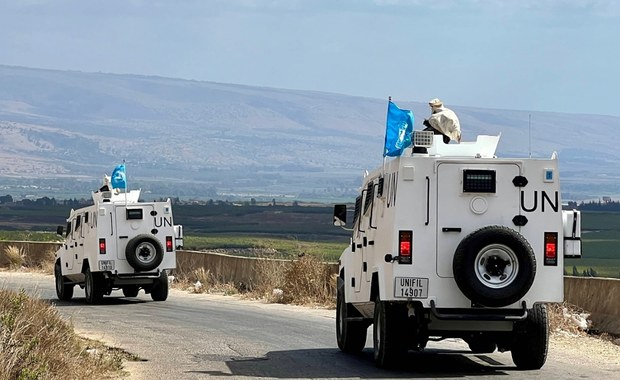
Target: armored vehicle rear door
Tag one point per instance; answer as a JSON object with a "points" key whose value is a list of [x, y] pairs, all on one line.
{"points": [[471, 196], [131, 221]]}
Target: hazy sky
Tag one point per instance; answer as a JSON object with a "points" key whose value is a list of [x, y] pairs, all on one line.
{"points": [[540, 55]]}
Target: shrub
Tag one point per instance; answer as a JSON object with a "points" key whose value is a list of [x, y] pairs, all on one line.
{"points": [[201, 280], [43, 263], [271, 277], [13, 257], [562, 318], [309, 281]]}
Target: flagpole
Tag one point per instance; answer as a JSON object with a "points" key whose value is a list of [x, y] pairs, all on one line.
{"points": [[384, 157], [125, 183]]}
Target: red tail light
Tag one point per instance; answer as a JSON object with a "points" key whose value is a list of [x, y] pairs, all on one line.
{"points": [[405, 247], [102, 246], [551, 248], [169, 244]]}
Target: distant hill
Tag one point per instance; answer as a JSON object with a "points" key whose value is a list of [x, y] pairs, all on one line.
{"points": [[60, 131]]}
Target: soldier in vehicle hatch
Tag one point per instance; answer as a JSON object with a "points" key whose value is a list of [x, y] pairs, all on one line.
{"points": [[443, 121]]}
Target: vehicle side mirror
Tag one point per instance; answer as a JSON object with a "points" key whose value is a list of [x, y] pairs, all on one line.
{"points": [[340, 215], [59, 230]]}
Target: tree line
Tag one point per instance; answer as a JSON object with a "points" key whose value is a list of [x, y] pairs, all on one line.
{"points": [[82, 202], [596, 205]]}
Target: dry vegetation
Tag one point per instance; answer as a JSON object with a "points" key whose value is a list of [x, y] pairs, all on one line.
{"points": [[13, 257], [16, 258], [305, 281], [200, 280], [564, 317], [35, 343]]}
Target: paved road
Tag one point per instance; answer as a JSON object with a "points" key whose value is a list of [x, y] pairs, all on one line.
{"points": [[193, 336]]}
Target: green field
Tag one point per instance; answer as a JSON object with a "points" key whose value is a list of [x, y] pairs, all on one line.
{"points": [[600, 245], [286, 231], [271, 247], [28, 236], [277, 231]]}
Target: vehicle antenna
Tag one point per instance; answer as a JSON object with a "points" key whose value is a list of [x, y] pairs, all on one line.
{"points": [[529, 132], [126, 187]]}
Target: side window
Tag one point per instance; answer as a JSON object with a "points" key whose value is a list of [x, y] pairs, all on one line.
{"points": [[370, 193], [86, 218], [358, 206], [68, 231], [78, 222]]}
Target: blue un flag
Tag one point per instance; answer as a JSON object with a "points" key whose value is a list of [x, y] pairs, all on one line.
{"points": [[119, 178], [398, 129]]}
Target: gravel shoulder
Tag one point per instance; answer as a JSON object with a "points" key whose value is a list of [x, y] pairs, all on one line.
{"points": [[586, 349]]}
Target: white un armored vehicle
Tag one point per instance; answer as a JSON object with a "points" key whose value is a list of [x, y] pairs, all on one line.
{"points": [[117, 243], [455, 243]]}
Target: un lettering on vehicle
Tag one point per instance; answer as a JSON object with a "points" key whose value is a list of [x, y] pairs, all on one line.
{"points": [[160, 222], [410, 287], [547, 202]]}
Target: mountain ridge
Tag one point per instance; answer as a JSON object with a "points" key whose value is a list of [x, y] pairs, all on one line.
{"points": [[199, 139]]}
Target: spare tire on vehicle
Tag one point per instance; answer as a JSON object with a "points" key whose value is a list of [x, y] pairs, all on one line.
{"points": [[494, 266], [144, 253]]}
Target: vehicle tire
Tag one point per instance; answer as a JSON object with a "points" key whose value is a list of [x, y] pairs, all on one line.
{"points": [[130, 290], [63, 291], [390, 320], [159, 292], [529, 350], [93, 287], [351, 335], [494, 266], [144, 253]]}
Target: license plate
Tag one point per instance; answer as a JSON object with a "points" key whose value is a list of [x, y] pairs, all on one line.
{"points": [[411, 287], [106, 265]]}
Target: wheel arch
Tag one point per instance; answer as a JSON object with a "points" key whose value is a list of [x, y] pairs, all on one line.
{"points": [[85, 265], [374, 286]]}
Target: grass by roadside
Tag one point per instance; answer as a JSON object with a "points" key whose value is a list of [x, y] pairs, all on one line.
{"points": [[14, 258], [36, 343], [304, 281], [267, 246], [29, 236]]}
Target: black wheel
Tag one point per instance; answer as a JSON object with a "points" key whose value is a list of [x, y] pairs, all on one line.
{"points": [[494, 266], [130, 290], [529, 350], [351, 335], [144, 253], [93, 287], [159, 292], [63, 291], [388, 340]]}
